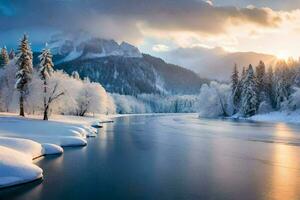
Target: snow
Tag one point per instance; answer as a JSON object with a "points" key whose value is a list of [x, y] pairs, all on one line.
{"points": [[72, 56], [24, 139], [279, 116], [16, 157], [51, 149], [130, 50], [28, 147], [17, 167], [62, 134], [82, 45]]}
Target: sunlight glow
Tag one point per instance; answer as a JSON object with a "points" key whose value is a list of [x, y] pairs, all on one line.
{"points": [[283, 55], [284, 180]]}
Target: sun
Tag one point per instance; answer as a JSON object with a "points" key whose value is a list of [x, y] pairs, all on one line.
{"points": [[283, 55]]}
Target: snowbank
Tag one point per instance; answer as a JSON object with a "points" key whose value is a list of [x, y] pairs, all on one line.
{"points": [[284, 116], [16, 157], [24, 139], [62, 134]]}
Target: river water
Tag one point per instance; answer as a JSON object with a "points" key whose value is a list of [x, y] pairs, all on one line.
{"points": [[174, 157]]}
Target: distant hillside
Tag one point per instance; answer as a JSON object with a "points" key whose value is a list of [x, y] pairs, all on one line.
{"points": [[214, 63]]}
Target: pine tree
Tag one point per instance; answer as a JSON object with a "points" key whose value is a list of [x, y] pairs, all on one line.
{"points": [[261, 80], [270, 86], [249, 94], [11, 54], [46, 69], [236, 88], [284, 80], [24, 72], [75, 75], [234, 79], [243, 73], [4, 56], [45, 72]]}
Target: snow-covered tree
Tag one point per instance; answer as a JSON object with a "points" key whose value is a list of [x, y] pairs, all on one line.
{"points": [[270, 86], [294, 102], [214, 100], [12, 54], [284, 80], [45, 71], [7, 86], [126, 104], [92, 98], [4, 56], [234, 79], [24, 72], [261, 81], [75, 75], [249, 104], [236, 88], [243, 73]]}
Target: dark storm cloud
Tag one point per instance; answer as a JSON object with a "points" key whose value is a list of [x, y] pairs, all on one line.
{"points": [[120, 19]]}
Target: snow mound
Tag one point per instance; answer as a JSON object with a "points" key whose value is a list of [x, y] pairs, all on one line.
{"points": [[28, 147], [24, 139], [17, 167], [62, 134], [51, 149]]}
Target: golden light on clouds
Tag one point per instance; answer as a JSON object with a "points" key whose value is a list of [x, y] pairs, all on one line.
{"points": [[280, 38]]}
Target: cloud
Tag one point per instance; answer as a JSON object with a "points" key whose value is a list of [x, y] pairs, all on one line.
{"points": [[160, 48], [167, 24], [274, 4], [123, 19]]}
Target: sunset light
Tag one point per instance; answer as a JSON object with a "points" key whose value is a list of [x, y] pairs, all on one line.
{"points": [[283, 55]]}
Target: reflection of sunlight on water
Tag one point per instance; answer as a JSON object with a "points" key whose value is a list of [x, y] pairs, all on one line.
{"points": [[36, 191], [282, 130], [285, 180], [104, 136], [57, 162]]}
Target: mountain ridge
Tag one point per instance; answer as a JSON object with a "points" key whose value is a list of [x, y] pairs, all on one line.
{"points": [[215, 63]]}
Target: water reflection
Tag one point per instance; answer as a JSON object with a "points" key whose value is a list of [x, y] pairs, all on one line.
{"points": [[285, 178], [175, 157], [104, 134]]}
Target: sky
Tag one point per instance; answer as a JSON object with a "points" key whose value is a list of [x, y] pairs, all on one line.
{"points": [[266, 26]]}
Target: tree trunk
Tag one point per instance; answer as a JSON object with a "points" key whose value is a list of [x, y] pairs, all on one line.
{"points": [[46, 114], [45, 101], [22, 105]]}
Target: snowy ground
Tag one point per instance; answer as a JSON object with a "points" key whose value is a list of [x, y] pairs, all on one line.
{"points": [[287, 117], [24, 139]]}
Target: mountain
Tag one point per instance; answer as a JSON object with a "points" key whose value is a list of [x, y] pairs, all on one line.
{"points": [[215, 63], [122, 68], [86, 47]]}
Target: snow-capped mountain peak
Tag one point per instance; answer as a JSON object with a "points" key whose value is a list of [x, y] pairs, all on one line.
{"points": [[91, 47]]}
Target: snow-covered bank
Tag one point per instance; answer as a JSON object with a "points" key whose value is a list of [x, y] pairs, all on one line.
{"points": [[284, 116], [16, 161], [24, 139]]}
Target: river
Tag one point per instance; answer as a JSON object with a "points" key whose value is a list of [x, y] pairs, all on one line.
{"points": [[174, 157]]}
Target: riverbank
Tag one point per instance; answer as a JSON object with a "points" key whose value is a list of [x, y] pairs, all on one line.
{"points": [[284, 116], [22, 140]]}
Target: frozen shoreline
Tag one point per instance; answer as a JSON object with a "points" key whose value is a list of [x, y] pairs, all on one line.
{"points": [[284, 117], [22, 140]]}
